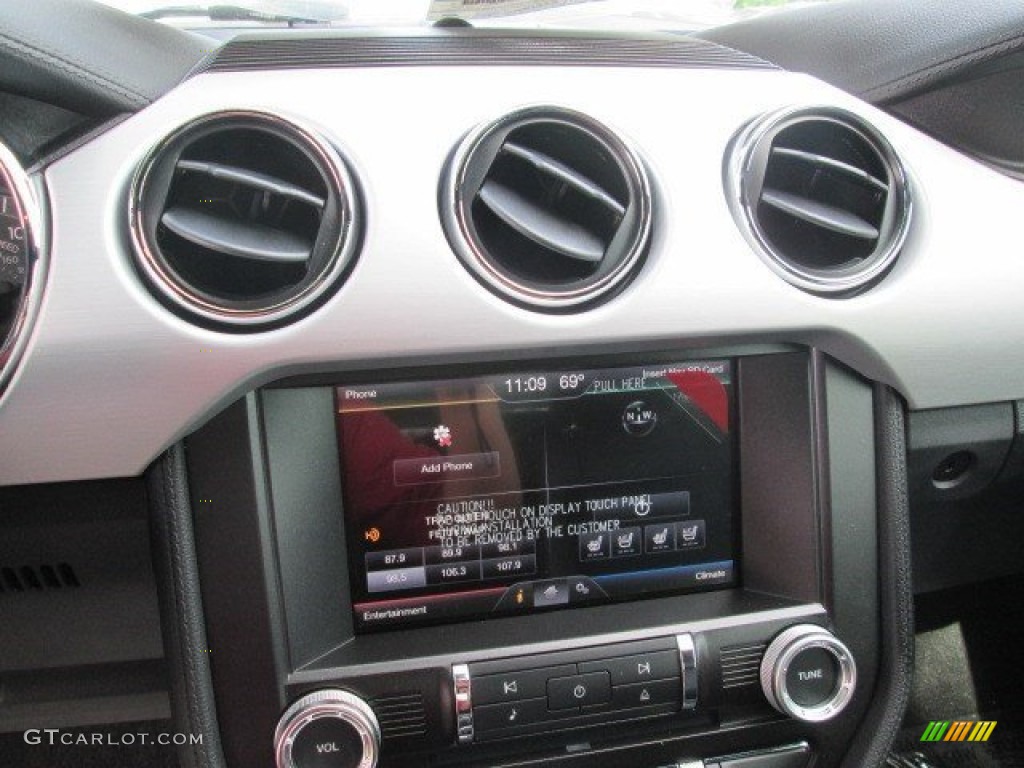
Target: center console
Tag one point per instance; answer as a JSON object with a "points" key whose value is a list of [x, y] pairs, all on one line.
{"points": [[657, 559]]}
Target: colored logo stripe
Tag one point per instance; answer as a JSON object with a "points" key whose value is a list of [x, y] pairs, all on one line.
{"points": [[958, 730], [935, 730], [983, 731]]}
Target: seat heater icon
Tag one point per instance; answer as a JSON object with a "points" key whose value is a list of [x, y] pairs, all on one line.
{"points": [[594, 545], [626, 540], [661, 538], [690, 534]]}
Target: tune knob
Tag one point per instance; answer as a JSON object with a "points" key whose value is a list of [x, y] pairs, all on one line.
{"points": [[807, 673], [327, 729]]}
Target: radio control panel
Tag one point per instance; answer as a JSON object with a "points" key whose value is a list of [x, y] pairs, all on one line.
{"points": [[511, 697]]}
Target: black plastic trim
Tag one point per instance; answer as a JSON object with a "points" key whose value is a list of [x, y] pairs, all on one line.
{"points": [[240, 588], [845, 442], [779, 471], [181, 610], [305, 491], [79, 610]]}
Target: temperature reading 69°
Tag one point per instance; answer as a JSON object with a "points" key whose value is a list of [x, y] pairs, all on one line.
{"points": [[572, 382]]}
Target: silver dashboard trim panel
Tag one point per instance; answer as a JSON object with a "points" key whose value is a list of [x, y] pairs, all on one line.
{"points": [[111, 377]]}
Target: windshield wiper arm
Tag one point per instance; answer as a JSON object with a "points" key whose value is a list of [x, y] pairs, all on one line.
{"points": [[229, 13]]}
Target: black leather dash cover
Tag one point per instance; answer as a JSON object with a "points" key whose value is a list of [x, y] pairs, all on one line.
{"points": [[892, 691], [89, 58]]}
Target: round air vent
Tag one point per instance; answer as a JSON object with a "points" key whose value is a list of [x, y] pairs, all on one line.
{"points": [[244, 220], [547, 207], [21, 265], [822, 196]]}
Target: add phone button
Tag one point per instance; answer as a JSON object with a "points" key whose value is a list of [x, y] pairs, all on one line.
{"points": [[512, 686], [439, 469]]}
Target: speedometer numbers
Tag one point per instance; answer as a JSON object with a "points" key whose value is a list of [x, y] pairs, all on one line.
{"points": [[13, 236]]}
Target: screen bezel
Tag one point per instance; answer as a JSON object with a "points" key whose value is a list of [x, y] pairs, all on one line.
{"points": [[354, 553]]}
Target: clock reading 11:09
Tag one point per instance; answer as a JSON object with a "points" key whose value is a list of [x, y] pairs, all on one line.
{"points": [[536, 385], [523, 384]]}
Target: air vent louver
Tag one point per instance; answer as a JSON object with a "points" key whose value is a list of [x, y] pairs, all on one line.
{"points": [[823, 197], [548, 208], [244, 219]]}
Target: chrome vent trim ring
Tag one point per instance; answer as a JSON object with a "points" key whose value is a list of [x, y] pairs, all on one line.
{"points": [[341, 247], [27, 209], [463, 182], [745, 172]]}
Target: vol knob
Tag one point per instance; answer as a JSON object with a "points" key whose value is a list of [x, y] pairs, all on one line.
{"points": [[808, 674], [327, 729]]}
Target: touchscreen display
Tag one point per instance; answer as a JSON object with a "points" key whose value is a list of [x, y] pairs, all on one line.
{"points": [[536, 491]]}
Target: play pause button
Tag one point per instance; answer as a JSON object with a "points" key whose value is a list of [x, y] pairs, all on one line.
{"points": [[645, 694]]}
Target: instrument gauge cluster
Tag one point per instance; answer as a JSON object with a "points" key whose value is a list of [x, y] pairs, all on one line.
{"points": [[20, 261]]}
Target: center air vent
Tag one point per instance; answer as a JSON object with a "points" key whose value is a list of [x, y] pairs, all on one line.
{"points": [[243, 219], [823, 197], [547, 207]]}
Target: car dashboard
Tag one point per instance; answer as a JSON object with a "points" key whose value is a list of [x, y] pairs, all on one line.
{"points": [[329, 370]]}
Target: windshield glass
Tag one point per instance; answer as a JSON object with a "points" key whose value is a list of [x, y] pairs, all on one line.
{"points": [[637, 15]]}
